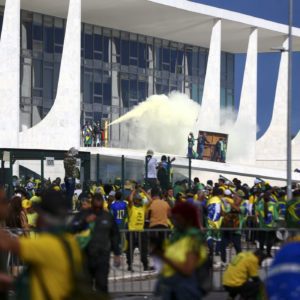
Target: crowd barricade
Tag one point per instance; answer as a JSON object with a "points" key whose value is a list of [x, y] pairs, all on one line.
{"points": [[140, 244]]}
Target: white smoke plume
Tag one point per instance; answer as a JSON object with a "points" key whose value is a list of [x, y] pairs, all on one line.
{"points": [[162, 123]]}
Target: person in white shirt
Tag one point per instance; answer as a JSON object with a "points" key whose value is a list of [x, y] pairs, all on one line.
{"points": [[151, 169]]}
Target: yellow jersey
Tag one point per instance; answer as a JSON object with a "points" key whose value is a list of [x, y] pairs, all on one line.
{"points": [[47, 254], [136, 217], [242, 267], [178, 251]]}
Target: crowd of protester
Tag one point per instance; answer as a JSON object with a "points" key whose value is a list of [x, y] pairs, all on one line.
{"points": [[190, 223], [93, 134]]}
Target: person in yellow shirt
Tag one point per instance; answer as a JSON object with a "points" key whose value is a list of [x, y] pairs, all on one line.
{"points": [[182, 255], [50, 275], [136, 238], [241, 276]]}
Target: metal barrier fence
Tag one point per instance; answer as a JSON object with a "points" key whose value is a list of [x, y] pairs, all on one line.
{"points": [[136, 276]]}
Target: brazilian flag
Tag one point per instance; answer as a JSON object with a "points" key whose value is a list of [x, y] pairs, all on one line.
{"points": [[293, 213]]}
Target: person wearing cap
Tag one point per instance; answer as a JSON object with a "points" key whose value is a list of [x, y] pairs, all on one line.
{"points": [[136, 238], [151, 169], [242, 275], [50, 275]]}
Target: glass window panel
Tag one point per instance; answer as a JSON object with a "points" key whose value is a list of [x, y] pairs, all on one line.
{"points": [[133, 89], [37, 73], [37, 27], [56, 75], [133, 49], [88, 88], [158, 57], [49, 38], [98, 42], [59, 31], [97, 88], [106, 49], [223, 97], [58, 49], [189, 61], [48, 83], [97, 116], [98, 99], [142, 55], [107, 92], [125, 92], [125, 52], [88, 46], [26, 35], [26, 80], [143, 90], [166, 55]]}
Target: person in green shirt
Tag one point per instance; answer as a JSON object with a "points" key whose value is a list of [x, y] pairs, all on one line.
{"points": [[267, 214]]}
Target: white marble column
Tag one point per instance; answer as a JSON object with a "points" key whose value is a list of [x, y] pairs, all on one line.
{"points": [[60, 129], [10, 75], [210, 107], [271, 147], [244, 128]]}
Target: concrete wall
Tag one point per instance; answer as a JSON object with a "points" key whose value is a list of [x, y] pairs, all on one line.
{"points": [[10, 75]]}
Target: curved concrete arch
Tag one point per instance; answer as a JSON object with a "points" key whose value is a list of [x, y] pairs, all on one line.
{"points": [[10, 75], [271, 147], [210, 106], [245, 125], [60, 129]]}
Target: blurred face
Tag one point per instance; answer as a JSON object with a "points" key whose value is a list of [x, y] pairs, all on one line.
{"points": [[170, 193], [97, 204]]}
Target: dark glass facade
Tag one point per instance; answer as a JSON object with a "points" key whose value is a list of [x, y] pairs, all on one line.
{"points": [[118, 69]]}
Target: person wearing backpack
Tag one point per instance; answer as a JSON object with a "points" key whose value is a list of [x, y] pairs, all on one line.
{"points": [[105, 237], [233, 219], [49, 274]]}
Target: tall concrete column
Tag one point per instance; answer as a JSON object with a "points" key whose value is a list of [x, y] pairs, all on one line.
{"points": [[245, 125], [271, 147], [10, 75], [210, 107], [60, 129]]}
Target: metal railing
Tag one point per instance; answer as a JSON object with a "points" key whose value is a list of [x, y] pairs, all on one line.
{"points": [[136, 276]]}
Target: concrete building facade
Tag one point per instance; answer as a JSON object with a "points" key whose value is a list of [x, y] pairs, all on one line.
{"points": [[65, 62]]}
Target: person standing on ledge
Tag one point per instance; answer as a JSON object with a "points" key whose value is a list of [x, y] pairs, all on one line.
{"points": [[191, 142]]}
